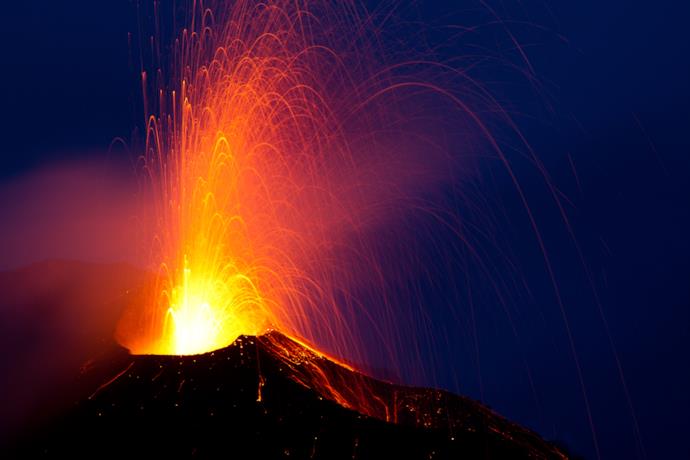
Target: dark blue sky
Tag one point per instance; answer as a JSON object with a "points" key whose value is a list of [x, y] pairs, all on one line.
{"points": [[611, 129]]}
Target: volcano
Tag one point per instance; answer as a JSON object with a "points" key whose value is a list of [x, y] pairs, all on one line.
{"points": [[263, 397]]}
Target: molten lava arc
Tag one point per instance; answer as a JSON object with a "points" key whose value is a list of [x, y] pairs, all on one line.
{"points": [[207, 314]]}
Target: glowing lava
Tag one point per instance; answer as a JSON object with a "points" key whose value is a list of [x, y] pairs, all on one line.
{"points": [[276, 151], [241, 157], [207, 314]]}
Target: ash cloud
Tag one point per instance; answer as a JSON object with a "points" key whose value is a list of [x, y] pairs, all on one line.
{"points": [[78, 211], [67, 268]]}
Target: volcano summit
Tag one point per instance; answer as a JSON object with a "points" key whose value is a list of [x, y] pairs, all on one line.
{"points": [[263, 397]]}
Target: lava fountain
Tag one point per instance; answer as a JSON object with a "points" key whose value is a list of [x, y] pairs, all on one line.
{"points": [[278, 138], [232, 158]]}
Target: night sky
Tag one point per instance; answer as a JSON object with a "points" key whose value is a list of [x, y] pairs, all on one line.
{"points": [[611, 128]]}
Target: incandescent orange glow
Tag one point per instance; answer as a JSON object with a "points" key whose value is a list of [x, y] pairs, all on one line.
{"points": [[303, 167], [278, 145], [206, 314], [240, 160]]}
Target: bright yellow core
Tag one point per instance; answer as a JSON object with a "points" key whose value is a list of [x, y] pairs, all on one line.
{"points": [[207, 313]]}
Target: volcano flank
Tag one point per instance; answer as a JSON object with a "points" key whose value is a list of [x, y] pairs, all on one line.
{"points": [[262, 397]]}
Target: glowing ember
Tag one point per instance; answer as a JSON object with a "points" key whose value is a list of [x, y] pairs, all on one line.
{"points": [[206, 315], [276, 150], [242, 161]]}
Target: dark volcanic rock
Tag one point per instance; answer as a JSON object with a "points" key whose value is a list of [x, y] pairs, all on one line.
{"points": [[260, 398]]}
